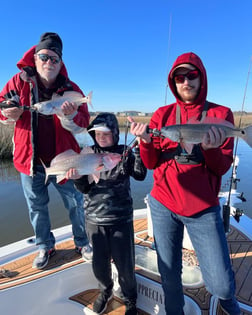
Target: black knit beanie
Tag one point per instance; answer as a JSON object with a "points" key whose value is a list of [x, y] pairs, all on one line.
{"points": [[50, 41]]}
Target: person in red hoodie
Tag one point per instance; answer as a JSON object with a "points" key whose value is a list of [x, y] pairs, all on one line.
{"points": [[39, 137], [186, 187]]}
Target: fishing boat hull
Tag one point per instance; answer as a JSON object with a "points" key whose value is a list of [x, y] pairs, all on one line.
{"points": [[67, 285]]}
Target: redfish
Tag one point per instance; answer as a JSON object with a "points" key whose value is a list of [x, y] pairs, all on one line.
{"points": [[86, 163], [194, 131], [53, 106]]}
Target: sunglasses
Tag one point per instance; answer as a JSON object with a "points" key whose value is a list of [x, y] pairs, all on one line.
{"points": [[191, 75], [45, 58]]}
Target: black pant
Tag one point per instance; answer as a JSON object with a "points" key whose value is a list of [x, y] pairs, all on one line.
{"points": [[116, 242]]}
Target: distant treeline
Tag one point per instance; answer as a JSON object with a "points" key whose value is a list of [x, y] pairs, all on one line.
{"points": [[240, 112]]}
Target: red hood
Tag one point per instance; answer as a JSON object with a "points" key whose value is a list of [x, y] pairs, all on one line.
{"points": [[28, 61], [194, 60]]}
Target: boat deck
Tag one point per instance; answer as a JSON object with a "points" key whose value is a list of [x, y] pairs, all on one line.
{"points": [[21, 271], [115, 306]]}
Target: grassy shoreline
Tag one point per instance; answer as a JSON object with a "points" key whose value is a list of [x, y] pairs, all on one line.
{"points": [[6, 146], [246, 120], [6, 131]]}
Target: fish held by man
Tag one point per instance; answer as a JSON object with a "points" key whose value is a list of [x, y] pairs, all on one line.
{"points": [[86, 163], [194, 131], [53, 106]]}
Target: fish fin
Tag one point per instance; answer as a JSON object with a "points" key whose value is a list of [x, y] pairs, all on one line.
{"points": [[87, 150], [247, 135], [62, 156], [110, 162], [187, 146], [89, 98], [80, 98], [68, 94], [93, 177], [211, 120], [99, 168], [55, 95], [59, 178], [96, 177]]}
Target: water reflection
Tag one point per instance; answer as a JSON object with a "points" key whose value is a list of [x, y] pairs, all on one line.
{"points": [[14, 221], [8, 172]]}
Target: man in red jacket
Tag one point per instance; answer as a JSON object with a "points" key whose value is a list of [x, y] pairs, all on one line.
{"points": [[39, 137], [186, 187]]}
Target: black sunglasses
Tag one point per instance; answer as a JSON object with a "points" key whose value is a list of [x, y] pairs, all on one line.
{"points": [[190, 75], [45, 58]]}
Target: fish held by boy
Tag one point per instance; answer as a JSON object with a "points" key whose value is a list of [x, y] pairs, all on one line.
{"points": [[86, 163], [193, 131], [53, 106]]}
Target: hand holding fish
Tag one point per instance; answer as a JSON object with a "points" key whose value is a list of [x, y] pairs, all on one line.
{"points": [[72, 165], [54, 106], [139, 130], [213, 138], [12, 112], [68, 108], [72, 173]]}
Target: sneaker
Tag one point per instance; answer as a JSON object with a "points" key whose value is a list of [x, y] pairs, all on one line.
{"points": [[86, 252], [101, 303], [41, 260], [130, 308]]}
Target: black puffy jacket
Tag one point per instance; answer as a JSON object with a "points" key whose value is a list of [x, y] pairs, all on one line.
{"points": [[109, 201]]}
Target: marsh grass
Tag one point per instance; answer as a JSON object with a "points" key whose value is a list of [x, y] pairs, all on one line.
{"points": [[245, 120], [6, 132], [122, 121]]}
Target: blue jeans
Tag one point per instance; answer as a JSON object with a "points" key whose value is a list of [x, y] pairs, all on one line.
{"points": [[208, 238], [37, 198]]}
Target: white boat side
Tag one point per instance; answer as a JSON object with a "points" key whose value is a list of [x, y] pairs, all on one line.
{"points": [[50, 294]]}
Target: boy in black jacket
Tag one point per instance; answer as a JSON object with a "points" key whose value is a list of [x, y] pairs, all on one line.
{"points": [[109, 214]]}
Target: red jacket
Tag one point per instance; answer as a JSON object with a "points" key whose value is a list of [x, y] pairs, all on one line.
{"points": [[24, 86], [182, 188]]}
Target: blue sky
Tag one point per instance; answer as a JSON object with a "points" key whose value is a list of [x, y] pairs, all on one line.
{"points": [[122, 50]]}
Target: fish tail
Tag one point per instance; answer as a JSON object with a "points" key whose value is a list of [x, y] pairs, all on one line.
{"points": [[89, 98], [46, 171], [247, 135]]}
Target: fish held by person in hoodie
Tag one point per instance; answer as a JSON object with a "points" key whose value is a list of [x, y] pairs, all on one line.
{"points": [[53, 106], [193, 131], [86, 163]]}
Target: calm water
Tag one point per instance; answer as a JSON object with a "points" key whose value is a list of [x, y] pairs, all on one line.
{"points": [[14, 221]]}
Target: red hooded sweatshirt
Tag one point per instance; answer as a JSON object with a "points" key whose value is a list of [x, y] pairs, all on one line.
{"points": [[23, 84], [184, 188]]}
